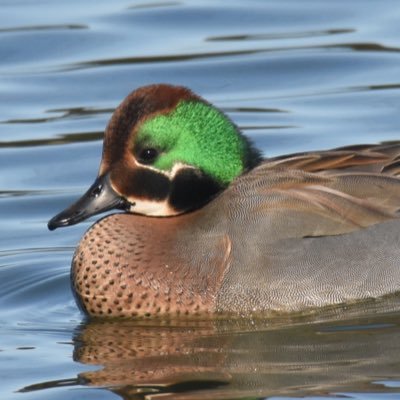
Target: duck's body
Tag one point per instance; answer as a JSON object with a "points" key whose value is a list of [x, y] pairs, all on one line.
{"points": [[291, 233]]}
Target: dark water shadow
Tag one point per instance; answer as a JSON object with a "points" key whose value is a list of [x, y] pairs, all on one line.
{"points": [[358, 47], [155, 5], [47, 28], [279, 36], [65, 114], [60, 139], [343, 348]]}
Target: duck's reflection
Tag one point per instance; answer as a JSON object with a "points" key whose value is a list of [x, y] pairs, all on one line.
{"points": [[220, 359], [150, 353]]}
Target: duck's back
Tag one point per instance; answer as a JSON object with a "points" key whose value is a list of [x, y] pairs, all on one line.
{"points": [[306, 239]]}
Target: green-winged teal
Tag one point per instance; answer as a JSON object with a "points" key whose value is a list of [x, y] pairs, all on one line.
{"points": [[209, 226]]}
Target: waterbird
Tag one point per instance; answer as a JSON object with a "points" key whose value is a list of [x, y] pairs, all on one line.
{"points": [[209, 226]]}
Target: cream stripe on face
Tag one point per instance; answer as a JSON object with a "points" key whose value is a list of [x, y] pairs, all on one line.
{"points": [[156, 207], [152, 207], [178, 166]]}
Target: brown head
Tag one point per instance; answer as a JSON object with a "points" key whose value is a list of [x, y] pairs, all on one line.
{"points": [[166, 151]]}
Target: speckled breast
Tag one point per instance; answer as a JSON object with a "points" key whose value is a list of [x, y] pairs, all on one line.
{"points": [[129, 266]]}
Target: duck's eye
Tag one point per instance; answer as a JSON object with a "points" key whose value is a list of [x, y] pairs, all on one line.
{"points": [[147, 155]]}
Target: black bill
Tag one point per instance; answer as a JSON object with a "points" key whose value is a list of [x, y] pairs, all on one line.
{"points": [[99, 198]]}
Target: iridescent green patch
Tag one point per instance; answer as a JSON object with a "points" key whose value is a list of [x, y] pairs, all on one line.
{"points": [[197, 134]]}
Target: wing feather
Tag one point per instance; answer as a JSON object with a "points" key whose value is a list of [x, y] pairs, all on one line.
{"points": [[320, 194]]}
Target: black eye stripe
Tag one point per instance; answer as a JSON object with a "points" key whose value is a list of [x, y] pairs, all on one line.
{"points": [[146, 184]]}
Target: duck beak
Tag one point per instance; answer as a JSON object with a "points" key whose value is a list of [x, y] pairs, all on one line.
{"points": [[99, 198]]}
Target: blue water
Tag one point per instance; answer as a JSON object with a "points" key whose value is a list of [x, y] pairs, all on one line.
{"points": [[294, 75]]}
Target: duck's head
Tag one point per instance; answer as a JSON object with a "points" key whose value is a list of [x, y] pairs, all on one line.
{"points": [[166, 151]]}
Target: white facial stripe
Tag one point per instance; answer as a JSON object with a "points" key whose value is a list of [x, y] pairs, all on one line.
{"points": [[152, 207], [178, 167], [170, 173], [159, 171]]}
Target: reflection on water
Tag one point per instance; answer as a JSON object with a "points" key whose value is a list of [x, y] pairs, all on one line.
{"points": [[46, 28], [62, 139], [295, 75], [226, 359], [370, 47], [278, 36], [69, 113]]}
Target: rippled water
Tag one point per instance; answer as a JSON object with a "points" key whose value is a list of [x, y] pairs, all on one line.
{"points": [[294, 75]]}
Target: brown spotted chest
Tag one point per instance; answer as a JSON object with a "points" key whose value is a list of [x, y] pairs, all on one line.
{"points": [[136, 269]]}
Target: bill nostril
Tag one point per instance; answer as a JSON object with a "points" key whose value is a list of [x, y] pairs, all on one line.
{"points": [[97, 191]]}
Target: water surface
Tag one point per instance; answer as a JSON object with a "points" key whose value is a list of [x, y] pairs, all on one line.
{"points": [[294, 75]]}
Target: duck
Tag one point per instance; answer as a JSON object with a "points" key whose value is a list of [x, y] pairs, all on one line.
{"points": [[205, 225]]}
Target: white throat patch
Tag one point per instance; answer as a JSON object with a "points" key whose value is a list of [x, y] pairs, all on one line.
{"points": [[153, 208], [157, 208]]}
